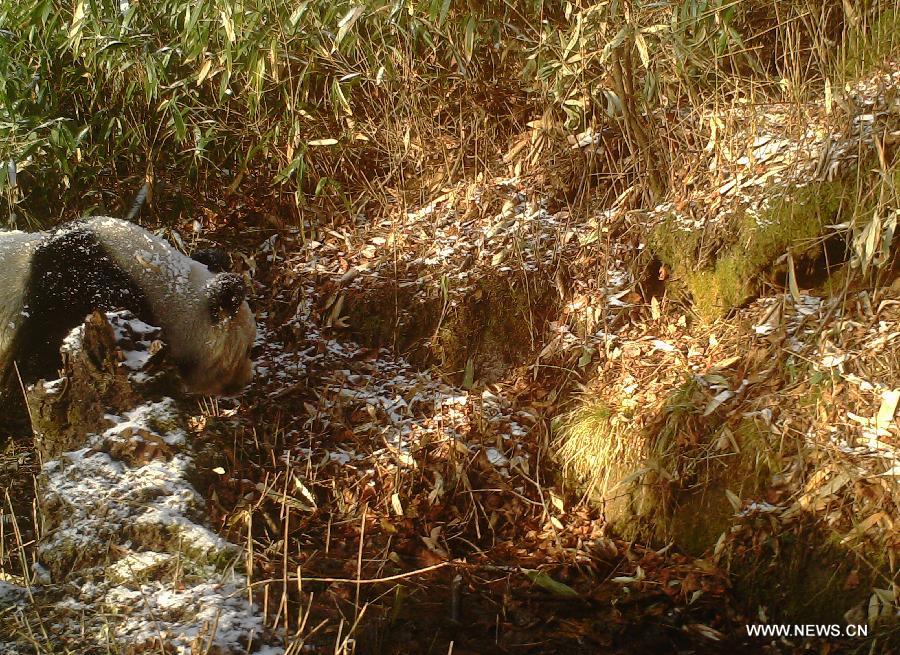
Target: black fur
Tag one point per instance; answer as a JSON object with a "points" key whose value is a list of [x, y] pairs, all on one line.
{"points": [[71, 275], [226, 294], [216, 259]]}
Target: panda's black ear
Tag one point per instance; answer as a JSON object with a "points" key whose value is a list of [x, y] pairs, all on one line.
{"points": [[227, 292], [216, 259]]}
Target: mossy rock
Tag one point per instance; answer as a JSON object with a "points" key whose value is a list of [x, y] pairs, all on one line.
{"points": [[696, 467], [672, 480], [801, 576], [697, 510], [750, 245], [394, 317], [681, 480], [140, 567], [495, 325]]}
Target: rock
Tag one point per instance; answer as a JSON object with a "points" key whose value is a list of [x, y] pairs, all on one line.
{"points": [[131, 562]]}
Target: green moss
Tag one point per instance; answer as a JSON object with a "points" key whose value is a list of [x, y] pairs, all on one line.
{"points": [[800, 576], [676, 247], [700, 510], [752, 245], [495, 325], [699, 518]]}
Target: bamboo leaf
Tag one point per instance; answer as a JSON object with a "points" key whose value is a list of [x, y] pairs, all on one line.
{"points": [[576, 34], [733, 500], [192, 18], [469, 374], [792, 278], [339, 99], [285, 173], [178, 122], [469, 38], [228, 24], [616, 41], [642, 49], [77, 26], [547, 583], [445, 9], [204, 71], [297, 14], [346, 23]]}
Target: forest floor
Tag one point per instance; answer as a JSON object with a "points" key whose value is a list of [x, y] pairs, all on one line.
{"points": [[364, 467], [393, 506]]}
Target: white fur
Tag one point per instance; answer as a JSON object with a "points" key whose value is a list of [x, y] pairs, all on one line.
{"points": [[16, 249], [176, 289]]}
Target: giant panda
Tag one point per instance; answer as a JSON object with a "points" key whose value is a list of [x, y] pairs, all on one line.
{"points": [[49, 282]]}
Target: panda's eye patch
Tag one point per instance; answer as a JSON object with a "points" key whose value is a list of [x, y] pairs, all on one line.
{"points": [[226, 294]]}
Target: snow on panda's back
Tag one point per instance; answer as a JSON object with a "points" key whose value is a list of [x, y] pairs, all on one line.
{"points": [[204, 316]]}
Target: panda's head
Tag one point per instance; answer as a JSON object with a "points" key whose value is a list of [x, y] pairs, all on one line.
{"points": [[216, 359], [203, 311]]}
